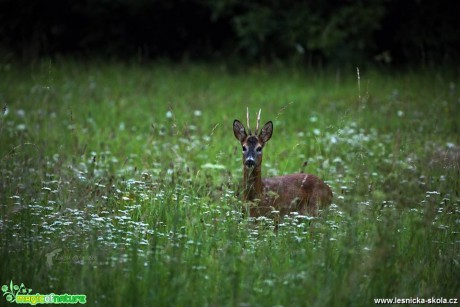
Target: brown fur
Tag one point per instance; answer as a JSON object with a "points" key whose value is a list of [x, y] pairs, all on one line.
{"points": [[302, 193]]}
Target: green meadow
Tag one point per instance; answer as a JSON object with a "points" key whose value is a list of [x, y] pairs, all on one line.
{"points": [[121, 181]]}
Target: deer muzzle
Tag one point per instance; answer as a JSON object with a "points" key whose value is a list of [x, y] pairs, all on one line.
{"points": [[250, 162]]}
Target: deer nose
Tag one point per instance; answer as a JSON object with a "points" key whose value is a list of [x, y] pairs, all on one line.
{"points": [[250, 162]]}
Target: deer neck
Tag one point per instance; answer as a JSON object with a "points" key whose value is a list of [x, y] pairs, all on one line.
{"points": [[252, 183]]}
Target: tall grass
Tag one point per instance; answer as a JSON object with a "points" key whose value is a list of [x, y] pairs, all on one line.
{"points": [[121, 182]]}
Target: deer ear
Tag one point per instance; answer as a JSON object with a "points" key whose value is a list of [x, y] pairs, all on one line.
{"points": [[239, 131], [266, 132]]}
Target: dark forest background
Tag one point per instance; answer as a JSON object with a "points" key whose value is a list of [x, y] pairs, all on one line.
{"points": [[331, 32]]}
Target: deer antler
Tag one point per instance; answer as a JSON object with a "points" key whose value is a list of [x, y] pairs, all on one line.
{"points": [[247, 120], [258, 121]]}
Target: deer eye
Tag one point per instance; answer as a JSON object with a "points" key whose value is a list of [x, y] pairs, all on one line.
{"points": [[245, 148], [259, 149]]}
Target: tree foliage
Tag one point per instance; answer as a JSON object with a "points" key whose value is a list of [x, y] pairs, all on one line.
{"points": [[332, 31]]}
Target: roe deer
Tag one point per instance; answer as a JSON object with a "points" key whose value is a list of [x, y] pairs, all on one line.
{"points": [[302, 193]]}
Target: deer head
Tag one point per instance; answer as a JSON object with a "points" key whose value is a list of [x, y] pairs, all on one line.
{"points": [[252, 144]]}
